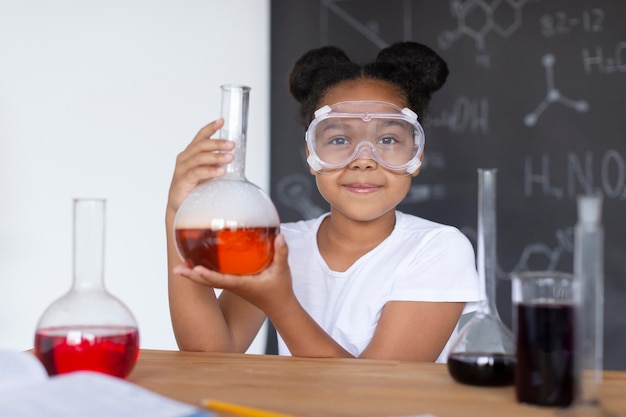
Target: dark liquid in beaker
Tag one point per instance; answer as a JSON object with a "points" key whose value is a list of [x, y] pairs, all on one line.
{"points": [[545, 354], [239, 251], [110, 350], [484, 369]]}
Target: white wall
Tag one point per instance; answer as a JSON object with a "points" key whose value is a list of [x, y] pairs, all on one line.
{"points": [[96, 100]]}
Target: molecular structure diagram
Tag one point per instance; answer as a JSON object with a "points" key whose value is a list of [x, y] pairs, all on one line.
{"points": [[476, 18], [553, 95], [545, 255]]}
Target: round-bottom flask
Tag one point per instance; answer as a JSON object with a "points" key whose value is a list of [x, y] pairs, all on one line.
{"points": [[484, 351], [88, 328], [228, 224]]}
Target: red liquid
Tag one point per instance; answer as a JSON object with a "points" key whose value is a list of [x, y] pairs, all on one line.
{"points": [[243, 251], [110, 350], [483, 369], [545, 354]]}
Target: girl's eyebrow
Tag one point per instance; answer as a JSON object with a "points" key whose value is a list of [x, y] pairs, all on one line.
{"points": [[392, 122], [339, 124]]}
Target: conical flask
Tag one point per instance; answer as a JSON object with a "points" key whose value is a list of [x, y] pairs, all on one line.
{"points": [[484, 351], [228, 224], [88, 328]]}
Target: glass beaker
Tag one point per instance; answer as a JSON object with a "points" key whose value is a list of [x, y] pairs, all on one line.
{"points": [[88, 328], [543, 306], [228, 224], [483, 352]]}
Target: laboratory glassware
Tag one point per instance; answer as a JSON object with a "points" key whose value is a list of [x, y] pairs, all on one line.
{"points": [[228, 224], [544, 305], [589, 323], [88, 328], [483, 353]]}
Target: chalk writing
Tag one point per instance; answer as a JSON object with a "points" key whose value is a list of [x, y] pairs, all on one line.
{"points": [[553, 95], [595, 60], [534, 255], [562, 23], [539, 255], [477, 18], [369, 30], [467, 114], [610, 178]]}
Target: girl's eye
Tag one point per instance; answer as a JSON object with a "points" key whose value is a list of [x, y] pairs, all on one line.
{"points": [[339, 140], [387, 140]]}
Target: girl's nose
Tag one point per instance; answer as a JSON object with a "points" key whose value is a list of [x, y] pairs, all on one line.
{"points": [[364, 157]]}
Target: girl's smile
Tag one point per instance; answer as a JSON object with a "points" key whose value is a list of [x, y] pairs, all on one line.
{"points": [[362, 188]]}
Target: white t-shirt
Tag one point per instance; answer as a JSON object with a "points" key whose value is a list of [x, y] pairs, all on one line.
{"points": [[420, 261]]}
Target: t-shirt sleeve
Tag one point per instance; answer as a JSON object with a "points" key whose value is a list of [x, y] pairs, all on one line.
{"points": [[441, 268]]}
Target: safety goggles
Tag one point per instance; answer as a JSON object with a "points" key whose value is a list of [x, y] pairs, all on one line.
{"points": [[383, 132]]}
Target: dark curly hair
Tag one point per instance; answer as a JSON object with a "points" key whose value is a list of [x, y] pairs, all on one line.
{"points": [[415, 69]]}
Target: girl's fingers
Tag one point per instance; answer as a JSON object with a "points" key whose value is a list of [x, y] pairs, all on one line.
{"points": [[204, 158], [280, 248], [194, 274], [209, 130]]}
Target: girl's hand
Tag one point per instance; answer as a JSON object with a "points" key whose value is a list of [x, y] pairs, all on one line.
{"points": [[269, 290], [204, 158]]}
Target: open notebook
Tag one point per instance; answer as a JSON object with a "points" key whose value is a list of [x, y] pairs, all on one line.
{"points": [[27, 391]]}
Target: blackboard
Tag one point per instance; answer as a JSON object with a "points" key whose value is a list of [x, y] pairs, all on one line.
{"points": [[537, 90]]}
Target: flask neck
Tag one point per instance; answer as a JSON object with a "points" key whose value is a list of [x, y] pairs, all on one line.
{"points": [[236, 170], [235, 103], [88, 244], [486, 239]]}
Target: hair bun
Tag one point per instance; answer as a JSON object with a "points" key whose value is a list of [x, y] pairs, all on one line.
{"points": [[412, 60], [307, 70]]}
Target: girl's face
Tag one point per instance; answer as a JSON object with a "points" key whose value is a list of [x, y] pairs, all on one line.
{"points": [[363, 190]]}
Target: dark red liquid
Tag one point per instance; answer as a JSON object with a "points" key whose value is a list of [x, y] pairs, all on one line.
{"points": [[545, 354], [241, 251], [484, 369], [110, 350]]}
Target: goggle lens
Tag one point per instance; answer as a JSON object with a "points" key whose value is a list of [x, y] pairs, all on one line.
{"points": [[338, 139], [381, 131]]}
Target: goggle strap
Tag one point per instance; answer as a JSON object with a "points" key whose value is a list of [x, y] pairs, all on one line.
{"points": [[314, 163], [409, 113], [414, 166], [322, 110]]}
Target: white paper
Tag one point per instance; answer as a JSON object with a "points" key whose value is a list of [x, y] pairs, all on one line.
{"points": [[26, 391], [18, 369]]}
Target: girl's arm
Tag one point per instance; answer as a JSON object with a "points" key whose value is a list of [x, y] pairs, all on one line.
{"points": [[412, 330], [271, 292]]}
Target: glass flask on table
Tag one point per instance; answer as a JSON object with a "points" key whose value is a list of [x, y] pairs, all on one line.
{"points": [[483, 352], [88, 328], [228, 224], [589, 322]]}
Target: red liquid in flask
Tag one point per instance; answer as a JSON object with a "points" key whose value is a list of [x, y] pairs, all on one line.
{"points": [[110, 350], [240, 251]]}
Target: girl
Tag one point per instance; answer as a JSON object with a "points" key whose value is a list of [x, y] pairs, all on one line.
{"points": [[363, 280]]}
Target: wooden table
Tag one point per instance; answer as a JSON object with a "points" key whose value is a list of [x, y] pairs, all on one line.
{"points": [[337, 387]]}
